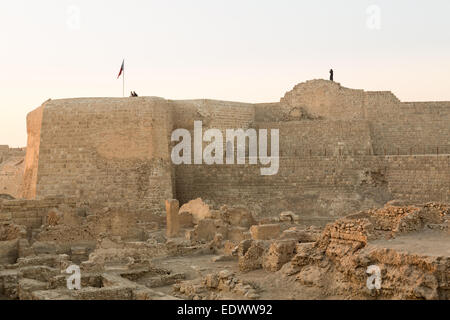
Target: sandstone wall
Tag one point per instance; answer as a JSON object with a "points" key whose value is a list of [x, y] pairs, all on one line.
{"points": [[318, 189], [409, 136], [11, 171], [326, 100], [419, 178], [312, 137], [106, 151], [395, 126], [381, 105], [116, 152], [408, 127], [34, 123], [213, 113]]}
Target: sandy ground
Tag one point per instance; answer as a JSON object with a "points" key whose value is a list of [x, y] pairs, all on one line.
{"points": [[274, 286]]}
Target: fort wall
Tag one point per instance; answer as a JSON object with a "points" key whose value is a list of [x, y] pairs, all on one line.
{"points": [[320, 188], [11, 171], [315, 188], [410, 136], [396, 128], [341, 150], [108, 151], [323, 138], [326, 100], [418, 178], [407, 128], [213, 113], [34, 123]]}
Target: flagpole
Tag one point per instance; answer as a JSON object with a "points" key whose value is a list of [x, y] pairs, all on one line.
{"points": [[123, 80]]}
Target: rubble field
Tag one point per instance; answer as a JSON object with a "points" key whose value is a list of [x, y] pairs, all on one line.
{"points": [[204, 251]]}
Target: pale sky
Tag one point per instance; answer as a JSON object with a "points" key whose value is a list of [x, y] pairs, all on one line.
{"points": [[238, 50]]}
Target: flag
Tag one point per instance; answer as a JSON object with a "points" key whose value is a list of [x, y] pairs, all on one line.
{"points": [[121, 68]]}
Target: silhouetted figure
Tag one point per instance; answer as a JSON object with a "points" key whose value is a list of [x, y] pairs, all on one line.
{"points": [[133, 94], [331, 75]]}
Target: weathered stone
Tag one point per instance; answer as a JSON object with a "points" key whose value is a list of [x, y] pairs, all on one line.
{"points": [[265, 231], [288, 216], [251, 253], [279, 253], [237, 216], [197, 208], [173, 223]]}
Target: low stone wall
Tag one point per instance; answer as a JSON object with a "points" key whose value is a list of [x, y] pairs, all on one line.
{"points": [[319, 188], [31, 213], [315, 188], [11, 171]]}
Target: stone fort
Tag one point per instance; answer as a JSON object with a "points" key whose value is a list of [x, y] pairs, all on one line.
{"points": [[341, 150]]}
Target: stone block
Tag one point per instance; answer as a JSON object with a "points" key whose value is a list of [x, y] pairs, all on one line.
{"points": [[288, 216], [237, 217], [197, 208], [186, 219], [251, 253], [265, 231], [9, 251], [238, 234], [173, 223], [207, 229], [279, 253]]}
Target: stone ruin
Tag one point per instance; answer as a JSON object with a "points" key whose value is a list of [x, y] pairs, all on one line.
{"points": [[364, 182], [209, 252]]}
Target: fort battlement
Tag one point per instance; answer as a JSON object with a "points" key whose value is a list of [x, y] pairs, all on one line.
{"points": [[341, 149]]}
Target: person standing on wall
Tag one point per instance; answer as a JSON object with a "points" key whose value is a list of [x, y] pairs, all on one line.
{"points": [[331, 75]]}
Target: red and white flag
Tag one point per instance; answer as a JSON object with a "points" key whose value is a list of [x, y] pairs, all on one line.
{"points": [[121, 68]]}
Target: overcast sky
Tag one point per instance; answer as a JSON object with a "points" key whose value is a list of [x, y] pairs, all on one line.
{"points": [[240, 50]]}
